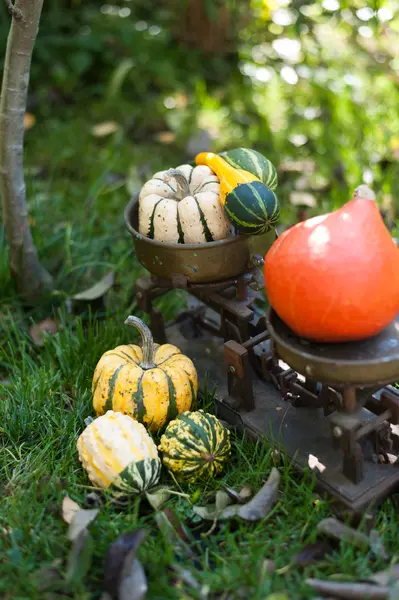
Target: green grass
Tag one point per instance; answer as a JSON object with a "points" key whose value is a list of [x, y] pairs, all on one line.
{"points": [[42, 413], [77, 194]]}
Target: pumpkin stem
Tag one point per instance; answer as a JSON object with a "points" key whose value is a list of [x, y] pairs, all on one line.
{"points": [[147, 342], [183, 187]]}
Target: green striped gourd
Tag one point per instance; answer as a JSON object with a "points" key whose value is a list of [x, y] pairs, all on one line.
{"points": [[254, 162], [182, 206], [117, 453], [251, 206], [153, 384], [195, 446]]}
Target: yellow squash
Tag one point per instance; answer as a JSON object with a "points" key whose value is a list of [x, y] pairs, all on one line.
{"points": [[251, 206], [117, 453], [152, 384]]}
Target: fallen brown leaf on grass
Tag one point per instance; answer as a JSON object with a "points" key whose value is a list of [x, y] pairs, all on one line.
{"points": [[337, 530], [239, 497], [96, 291], [377, 545], [312, 553], [81, 553], [124, 576], [80, 557], [341, 532], [174, 532], [387, 576], [38, 331], [185, 576], [257, 508], [69, 509], [80, 521], [383, 585], [351, 591]]}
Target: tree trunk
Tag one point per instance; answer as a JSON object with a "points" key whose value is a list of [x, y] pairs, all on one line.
{"points": [[32, 280]]}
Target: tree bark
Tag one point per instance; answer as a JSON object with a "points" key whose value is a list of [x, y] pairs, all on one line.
{"points": [[32, 280]]}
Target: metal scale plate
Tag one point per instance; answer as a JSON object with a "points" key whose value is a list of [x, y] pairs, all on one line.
{"points": [[305, 432]]}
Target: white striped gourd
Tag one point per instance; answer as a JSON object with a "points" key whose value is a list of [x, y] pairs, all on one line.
{"points": [[119, 454], [152, 384], [182, 206]]}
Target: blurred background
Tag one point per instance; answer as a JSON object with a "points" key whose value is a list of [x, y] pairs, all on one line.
{"points": [[120, 90]]}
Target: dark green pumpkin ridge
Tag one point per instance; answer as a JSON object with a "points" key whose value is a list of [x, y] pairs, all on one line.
{"points": [[152, 228], [207, 233], [179, 228], [166, 359], [139, 409], [128, 478], [96, 384], [262, 201], [172, 407], [250, 226], [122, 355], [111, 389], [197, 430], [244, 197]]}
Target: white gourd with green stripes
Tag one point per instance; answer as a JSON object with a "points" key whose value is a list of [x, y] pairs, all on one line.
{"points": [[173, 211]]}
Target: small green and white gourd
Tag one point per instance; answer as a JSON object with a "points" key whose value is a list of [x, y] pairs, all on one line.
{"points": [[195, 446], [253, 162], [117, 453], [183, 206]]}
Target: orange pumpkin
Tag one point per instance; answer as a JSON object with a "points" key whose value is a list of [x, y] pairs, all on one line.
{"points": [[335, 277]]}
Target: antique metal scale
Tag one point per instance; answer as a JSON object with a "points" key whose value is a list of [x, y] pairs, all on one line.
{"points": [[331, 403]]}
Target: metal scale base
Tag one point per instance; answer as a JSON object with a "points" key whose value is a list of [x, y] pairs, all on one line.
{"points": [[337, 406]]}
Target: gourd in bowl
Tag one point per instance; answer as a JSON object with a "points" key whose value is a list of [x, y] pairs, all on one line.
{"points": [[182, 206]]}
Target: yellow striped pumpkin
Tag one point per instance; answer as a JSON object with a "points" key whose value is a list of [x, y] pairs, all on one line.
{"points": [[152, 384], [118, 453], [195, 446]]}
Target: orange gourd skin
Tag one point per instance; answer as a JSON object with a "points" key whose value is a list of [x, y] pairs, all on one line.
{"points": [[335, 278]]}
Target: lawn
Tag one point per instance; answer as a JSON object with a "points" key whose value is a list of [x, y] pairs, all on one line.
{"points": [[76, 215], [335, 126]]}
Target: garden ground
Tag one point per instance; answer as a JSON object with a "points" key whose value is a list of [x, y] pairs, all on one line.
{"points": [[78, 195]]}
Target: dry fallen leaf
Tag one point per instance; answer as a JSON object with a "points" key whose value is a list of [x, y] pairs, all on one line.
{"points": [[81, 521], [69, 509], [38, 331], [349, 590], [254, 510], [158, 497], [97, 290], [124, 577], [174, 532], [239, 497], [386, 577], [106, 128], [335, 529], [80, 557], [312, 553], [377, 545]]}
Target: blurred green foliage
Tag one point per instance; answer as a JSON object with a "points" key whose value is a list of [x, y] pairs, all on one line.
{"points": [[313, 85], [297, 80]]}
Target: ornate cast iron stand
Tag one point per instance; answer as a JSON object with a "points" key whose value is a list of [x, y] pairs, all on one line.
{"points": [[332, 402]]}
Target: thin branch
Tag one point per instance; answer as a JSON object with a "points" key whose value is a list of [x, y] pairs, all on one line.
{"points": [[14, 12]]}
